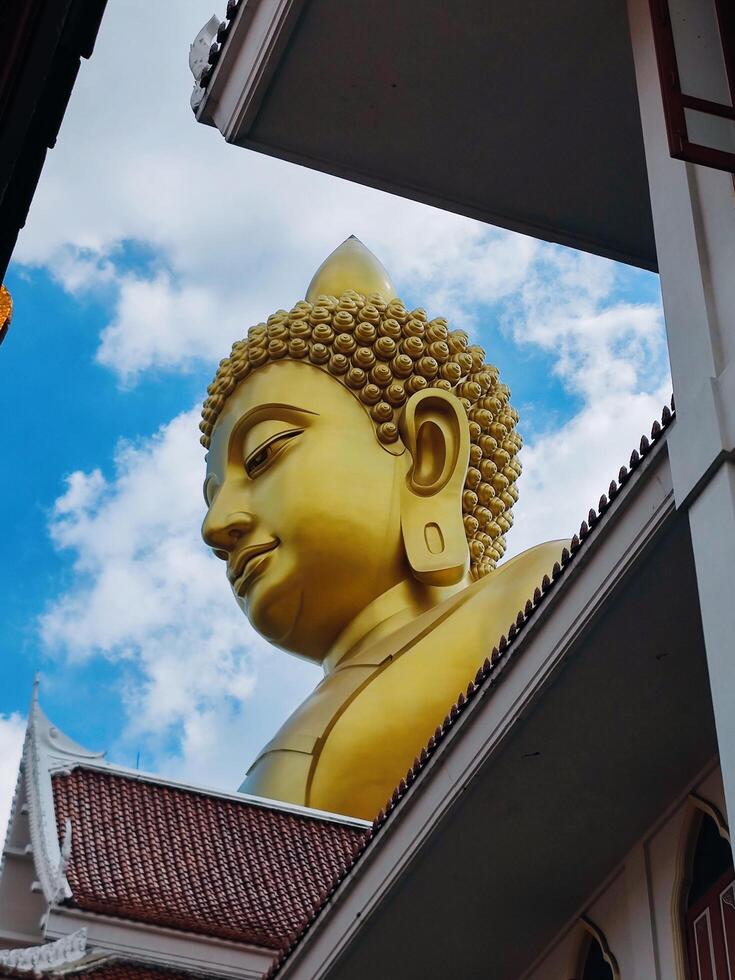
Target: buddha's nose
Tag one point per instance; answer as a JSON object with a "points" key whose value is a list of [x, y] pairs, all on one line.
{"points": [[223, 533]]}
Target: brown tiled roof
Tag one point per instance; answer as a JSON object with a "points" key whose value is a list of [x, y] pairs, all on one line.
{"points": [[175, 857], [104, 970], [486, 676], [118, 970]]}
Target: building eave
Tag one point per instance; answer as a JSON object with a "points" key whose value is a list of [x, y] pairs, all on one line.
{"points": [[398, 108], [541, 657], [159, 946], [43, 45], [257, 34]]}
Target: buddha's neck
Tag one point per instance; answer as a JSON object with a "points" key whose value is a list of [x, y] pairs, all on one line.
{"points": [[391, 610]]}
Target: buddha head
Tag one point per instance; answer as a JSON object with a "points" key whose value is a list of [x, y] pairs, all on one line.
{"points": [[353, 445]]}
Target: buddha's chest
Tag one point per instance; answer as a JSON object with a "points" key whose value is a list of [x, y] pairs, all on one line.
{"points": [[349, 745], [353, 740]]}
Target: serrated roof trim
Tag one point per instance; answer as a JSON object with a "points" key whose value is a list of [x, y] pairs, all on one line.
{"points": [[50, 956]]}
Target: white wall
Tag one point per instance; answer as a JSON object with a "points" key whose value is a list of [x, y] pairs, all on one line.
{"points": [[636, 909]]}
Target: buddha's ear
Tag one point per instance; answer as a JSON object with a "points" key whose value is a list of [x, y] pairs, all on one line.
{"points": [[435, 431]]}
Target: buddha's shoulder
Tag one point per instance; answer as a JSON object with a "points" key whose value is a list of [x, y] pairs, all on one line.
{"points": [[534, 560], [495, 600], [510, 586], [354, 737], [375, 737]]}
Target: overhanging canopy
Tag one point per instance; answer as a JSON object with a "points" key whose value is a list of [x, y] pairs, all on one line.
{"points": [[523, 114]]}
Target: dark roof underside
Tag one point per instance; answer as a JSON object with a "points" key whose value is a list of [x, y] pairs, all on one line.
{"points": [[523, 114]]}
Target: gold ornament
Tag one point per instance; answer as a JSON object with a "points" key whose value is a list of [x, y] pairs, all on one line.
{"points": [[6, 312]]}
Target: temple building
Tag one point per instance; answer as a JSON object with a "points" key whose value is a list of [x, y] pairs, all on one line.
{"points": [[566, 814], [111, 871]]}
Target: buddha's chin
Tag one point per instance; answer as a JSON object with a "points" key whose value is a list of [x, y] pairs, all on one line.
{"points": [[273, 611]]}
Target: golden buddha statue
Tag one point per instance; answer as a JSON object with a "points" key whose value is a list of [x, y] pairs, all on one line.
{"points": [[361, 475]]}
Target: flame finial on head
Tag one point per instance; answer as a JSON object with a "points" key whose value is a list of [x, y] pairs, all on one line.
{"points": [[350, 266]]}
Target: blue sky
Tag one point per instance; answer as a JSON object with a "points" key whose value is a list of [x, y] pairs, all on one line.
{"points": [[150, 247]]}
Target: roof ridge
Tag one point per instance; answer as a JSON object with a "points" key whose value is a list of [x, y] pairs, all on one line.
{"points": [[486, 673], [260, 802]]}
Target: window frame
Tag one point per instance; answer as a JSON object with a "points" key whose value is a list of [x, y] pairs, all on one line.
{"points": [[710, 904], [675, 101]]}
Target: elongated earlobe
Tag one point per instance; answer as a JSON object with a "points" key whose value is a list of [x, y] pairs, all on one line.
{"points": [[435, 431]]}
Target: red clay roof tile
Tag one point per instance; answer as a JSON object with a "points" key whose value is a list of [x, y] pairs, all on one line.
{"points": [[205, 864]]}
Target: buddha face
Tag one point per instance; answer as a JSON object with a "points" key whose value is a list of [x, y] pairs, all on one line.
{"points": [[304, 505]]}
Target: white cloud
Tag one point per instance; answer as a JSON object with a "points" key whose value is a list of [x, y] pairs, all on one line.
{"points": [[149, 596], [611, 354], [82, 492], [235, 234], [173, 322], [12, 732], [568, 307], [158, 323], [566, 472], [230, 235]]}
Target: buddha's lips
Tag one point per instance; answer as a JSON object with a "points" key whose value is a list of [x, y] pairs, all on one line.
{"points": [[236, 569]]}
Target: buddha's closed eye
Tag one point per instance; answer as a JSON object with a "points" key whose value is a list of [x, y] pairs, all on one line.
{"points": [[265, 454]]}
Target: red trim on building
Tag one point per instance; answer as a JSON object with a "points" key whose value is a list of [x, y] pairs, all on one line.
{"points": [[675, 101], [710, 931]]}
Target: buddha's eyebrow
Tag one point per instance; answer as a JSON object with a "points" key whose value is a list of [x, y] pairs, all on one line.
{"points": [[269, 410]]}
